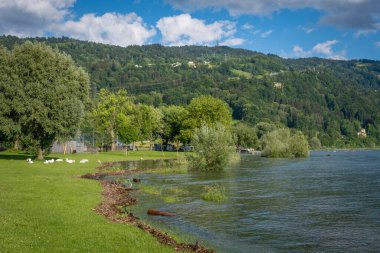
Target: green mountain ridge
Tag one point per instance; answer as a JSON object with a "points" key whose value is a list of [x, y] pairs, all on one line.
{"points": [[329, 99]]}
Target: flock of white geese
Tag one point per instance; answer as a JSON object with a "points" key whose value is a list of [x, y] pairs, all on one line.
{"points": [[30, 161]]}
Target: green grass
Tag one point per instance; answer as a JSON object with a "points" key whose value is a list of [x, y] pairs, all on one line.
{"points": [[170, 199], [48, 208], [153, 190], [214, 193], [241, 73]]}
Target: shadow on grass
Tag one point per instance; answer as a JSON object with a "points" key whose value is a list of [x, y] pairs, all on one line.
{"points": [[9, 155], [15, 156]]}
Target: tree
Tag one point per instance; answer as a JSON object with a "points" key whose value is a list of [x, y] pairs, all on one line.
{"points": [[298, 145], [245, 136], [281, 143], [11, 100], [213, 148], [172, 120], [111, 113], [49, 95], [148, 120], [206, 110], [143, 122], [276, 143]]}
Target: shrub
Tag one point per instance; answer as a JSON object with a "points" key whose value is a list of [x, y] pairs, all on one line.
{"points": [[246, 136], [213, 147], [215, 193], [315, 143], [280, 143], [298, 145]]}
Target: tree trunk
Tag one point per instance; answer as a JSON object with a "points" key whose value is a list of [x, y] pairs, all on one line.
{"points": [[16, 145], [40, 155], [113, 145]]}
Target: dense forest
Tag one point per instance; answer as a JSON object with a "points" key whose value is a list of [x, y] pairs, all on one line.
{"points": [[328, 99]]}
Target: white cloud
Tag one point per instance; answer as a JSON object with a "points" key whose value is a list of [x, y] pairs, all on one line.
{"points": [[185, 30], [300, 52], [357, 14], [232, 42], [377, 44], [111, 28], [31, 17], [247, 26], [305, 29], [323, 49], [38, 17], [256, 32], [368, 31], [266, 34]]}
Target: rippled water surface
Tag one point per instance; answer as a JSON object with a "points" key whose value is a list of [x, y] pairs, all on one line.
{"points": [[329, 202]]}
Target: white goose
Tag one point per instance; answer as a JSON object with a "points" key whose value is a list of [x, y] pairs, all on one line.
{"points": [[70, 161]]}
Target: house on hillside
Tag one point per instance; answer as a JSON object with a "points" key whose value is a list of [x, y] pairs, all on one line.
{"points": [[362, 133], [191, 64], [176, 64], [278, 85]]}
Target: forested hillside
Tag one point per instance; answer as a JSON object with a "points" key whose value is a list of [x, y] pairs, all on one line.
{"points": [[329, 99]]}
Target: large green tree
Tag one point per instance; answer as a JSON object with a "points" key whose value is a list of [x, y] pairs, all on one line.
{"points": [[11, 100], [49, 95], [111, 114], [148, 120], [172, 121], [208, 111]]}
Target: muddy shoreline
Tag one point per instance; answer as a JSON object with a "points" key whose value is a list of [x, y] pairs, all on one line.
{"points": [[116, 196]]}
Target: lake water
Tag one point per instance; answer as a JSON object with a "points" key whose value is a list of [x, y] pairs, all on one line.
{"points": [[329, 202]]}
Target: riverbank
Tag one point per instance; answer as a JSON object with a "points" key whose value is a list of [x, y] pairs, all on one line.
{"points": [[49, 208], [116, 197]]}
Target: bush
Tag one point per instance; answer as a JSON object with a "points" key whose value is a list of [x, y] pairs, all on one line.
{"points": [[315, 143], [246, 136], [280, 143], [215, 193], [298, 145], [213, 148]]}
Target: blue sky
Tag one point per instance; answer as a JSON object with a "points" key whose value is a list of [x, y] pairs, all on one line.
{"points": [[337, 29]]}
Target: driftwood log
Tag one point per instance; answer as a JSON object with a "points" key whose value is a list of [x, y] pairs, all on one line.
{"points": [[161, 213]]}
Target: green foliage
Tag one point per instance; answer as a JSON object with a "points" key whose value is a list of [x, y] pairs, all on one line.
{"points": [[142, 122], [315, 143], [47, 92], [205, 110], [262, 128], [281, 143], [11, 101], [214, 193], [245, 136], [148, 120], [111, 112], [172, 121], [298, 145], [334, 98], [210, 111], [213, 147]]}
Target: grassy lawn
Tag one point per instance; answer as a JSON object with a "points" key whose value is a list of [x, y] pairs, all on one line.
{"points": [[48, 208], [242, 73]]}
